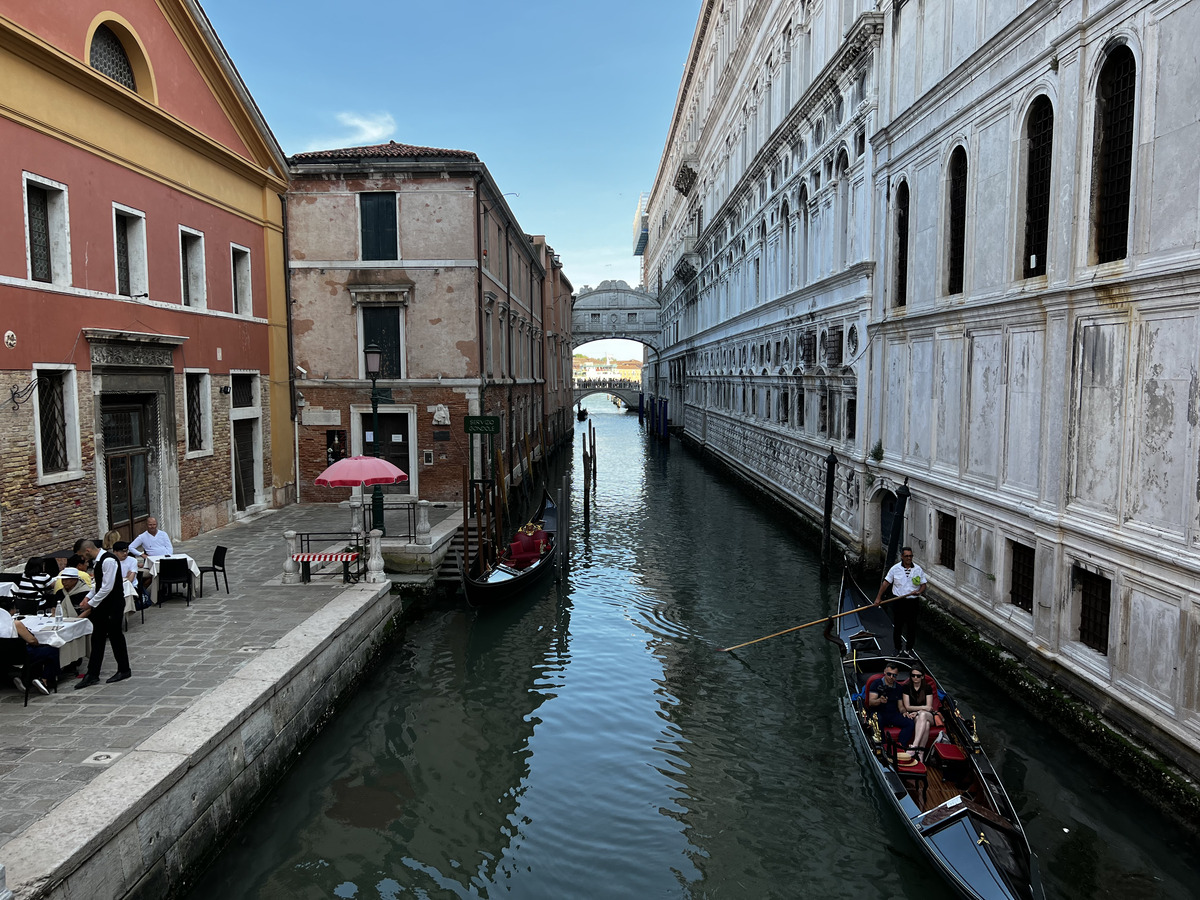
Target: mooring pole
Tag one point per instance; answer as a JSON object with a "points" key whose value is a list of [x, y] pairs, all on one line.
{"points": [[902, 495], [830, 468]]}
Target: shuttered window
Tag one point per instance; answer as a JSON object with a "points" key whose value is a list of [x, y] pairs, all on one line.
{"points": [[378, 216]]}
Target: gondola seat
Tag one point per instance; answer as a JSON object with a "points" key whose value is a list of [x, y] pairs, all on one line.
{"points": [[892, 732], [521, 556]]}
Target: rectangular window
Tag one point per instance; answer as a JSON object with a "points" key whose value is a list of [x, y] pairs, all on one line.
{"points": [[784, 408], [381, 326], [52, 421], [823, 414], [594, 318], [808, 349], [240, 263], [191, 268], [800, 409], [1021, 575], [833, 347], [1095, 598], [198, 401], [378, 217], [243, 391], [47, 233], [129, 238], [851, 419], [946, 532], [56, 409], [631, 318]]}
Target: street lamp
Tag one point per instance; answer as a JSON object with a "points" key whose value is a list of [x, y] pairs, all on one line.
{"points": [[373, 357]]}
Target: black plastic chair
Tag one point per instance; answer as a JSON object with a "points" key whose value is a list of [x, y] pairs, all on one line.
{"points": [[218, 565], [10, 577], [15, 661], [173, 572]]}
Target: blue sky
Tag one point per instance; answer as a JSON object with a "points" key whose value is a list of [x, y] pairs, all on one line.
{"points": [[567, 104]]}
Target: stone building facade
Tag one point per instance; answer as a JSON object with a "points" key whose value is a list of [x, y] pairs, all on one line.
{"points": [[141, 280], [414, 249], [1020, 203]]}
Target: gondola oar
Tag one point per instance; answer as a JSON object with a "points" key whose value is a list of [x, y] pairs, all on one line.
{"points": [[805, 625]]}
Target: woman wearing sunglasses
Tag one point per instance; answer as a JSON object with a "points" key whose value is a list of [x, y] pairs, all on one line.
{"points": [[916, 703]]}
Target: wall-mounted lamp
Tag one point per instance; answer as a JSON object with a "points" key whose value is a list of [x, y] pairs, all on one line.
{"points": [[226, 389]]}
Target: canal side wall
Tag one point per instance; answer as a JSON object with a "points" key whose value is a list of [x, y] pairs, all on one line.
{"points": [[140, 830]]}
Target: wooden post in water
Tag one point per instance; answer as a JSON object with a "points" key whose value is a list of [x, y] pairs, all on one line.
{"points": [[830, 468], [466, 561], [594, 454], [587, 469]]}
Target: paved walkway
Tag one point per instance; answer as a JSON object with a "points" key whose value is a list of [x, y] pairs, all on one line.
{"points": [[179, 654]]}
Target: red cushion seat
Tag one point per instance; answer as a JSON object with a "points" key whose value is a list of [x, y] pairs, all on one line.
{"points": [[949, 753]]}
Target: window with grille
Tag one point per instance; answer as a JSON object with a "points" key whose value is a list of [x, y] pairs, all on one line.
{"points": [[1115, 96], [823, 414], [39, 233], [946, 532], [956, 230], [800, 409], [1095, 598], [901, 295], [833, 347], [378, 217], [53, 424], [808, 345], [1021, 575], [122, 236], [108, 57], [851, 419], [194, 382], [381, 326], [243, 390], [1040, 136], [784, 407], [129, 239], [191, 268]]}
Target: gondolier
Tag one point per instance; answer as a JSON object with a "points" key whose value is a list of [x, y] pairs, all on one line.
{"points": [[908, 582]]}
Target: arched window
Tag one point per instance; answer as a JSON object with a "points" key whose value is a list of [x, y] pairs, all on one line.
{"points": [[108, 57], [956, 224], [901, 293], [1039, 139], [1115, 95], [802, 239]]}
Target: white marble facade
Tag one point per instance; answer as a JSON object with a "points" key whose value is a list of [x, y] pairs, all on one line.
{"points": [[903, 224]]}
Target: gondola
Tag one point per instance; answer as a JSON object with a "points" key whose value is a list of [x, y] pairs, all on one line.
{"points": [[526, 560], [581, 413], [953, 804]]}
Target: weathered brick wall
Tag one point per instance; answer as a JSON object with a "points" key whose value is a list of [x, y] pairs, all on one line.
{"points": [[205, 482], [36, 519], [440, 481]]}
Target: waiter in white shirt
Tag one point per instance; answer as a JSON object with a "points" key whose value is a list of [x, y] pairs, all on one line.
{"points": [[105, 606], [152, 542]]}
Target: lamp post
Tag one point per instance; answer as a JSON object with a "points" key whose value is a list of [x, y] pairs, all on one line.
{"points": [[373, 357]]}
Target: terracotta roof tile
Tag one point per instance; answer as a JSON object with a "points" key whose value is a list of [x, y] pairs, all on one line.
{"points": [[390, 150]]}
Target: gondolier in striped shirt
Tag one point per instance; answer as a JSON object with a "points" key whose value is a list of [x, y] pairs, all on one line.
{"points": [[908, 582]]}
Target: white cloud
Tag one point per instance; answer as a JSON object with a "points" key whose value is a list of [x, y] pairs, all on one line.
{"points": [[362, 128]]}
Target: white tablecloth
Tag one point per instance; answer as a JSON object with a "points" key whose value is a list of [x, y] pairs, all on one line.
{"points": [[152, 563], [75, 632], [6, 588]]}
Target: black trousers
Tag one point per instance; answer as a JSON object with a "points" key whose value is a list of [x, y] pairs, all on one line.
{"points": [[107, 620], [904, 619]]}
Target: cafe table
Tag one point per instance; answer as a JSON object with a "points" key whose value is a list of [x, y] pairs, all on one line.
{"points": [[152, 566], [6, 588], [75, 634]]}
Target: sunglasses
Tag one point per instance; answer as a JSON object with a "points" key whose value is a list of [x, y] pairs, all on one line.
{"points": [[917, 675], [890, 674]]}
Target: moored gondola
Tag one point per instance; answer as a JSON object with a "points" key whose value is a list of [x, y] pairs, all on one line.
{"points": [[952, 803], [528, 557]]}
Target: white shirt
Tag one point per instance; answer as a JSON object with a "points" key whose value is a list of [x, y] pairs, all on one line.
{"points": [[158, 544], [109, 580], [905, 581], [8, 628]]}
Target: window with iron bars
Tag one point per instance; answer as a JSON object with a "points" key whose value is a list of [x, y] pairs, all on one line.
{"points": [[833, 347], [956, 232], [808, 349], [243, 391], [1095, 599], [1115, 96], [901, 295], [53, 424], [1021, 575], [195, 410], [946, 531], [1037, 185]]}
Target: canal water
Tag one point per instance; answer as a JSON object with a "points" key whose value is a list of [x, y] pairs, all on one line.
{"points": [[589, 740]]}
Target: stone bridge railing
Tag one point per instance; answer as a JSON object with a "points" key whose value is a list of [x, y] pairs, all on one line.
{"points": [[608, 384]]}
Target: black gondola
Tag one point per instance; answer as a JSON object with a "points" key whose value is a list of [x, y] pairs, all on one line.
{"points": [[528, 557], [953, 803], [581, 413]]}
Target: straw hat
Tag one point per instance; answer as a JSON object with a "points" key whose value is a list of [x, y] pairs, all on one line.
{"points": [[906, 758]]}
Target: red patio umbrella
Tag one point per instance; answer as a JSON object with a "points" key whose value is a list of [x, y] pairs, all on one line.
{"points": [[354, 471]]}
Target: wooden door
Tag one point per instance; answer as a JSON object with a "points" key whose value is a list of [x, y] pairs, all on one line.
{"points": [[394, 445], [127, 463]]}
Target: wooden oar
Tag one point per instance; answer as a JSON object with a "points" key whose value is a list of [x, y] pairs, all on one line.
{"points": [[805, 625]]}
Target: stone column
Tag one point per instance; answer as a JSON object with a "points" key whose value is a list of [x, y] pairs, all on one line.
{"points": [[291, 568], [423, 536], [375, 560]]}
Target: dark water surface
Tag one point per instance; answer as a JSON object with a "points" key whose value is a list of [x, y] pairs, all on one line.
{"points": [[589, 741]]}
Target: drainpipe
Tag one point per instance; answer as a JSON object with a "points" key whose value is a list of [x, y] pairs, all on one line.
{"points": [[291, 345]]}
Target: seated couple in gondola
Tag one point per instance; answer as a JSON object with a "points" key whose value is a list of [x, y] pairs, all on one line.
{"points": [[909, 706]]}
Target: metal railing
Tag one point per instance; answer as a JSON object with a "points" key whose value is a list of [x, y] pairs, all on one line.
{"points": [[320, 541]]}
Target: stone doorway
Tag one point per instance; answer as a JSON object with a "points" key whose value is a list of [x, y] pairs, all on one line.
{"points": [[128, 451]]}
